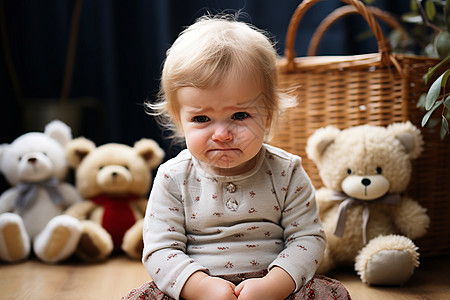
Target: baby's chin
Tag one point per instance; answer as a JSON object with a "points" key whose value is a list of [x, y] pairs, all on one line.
{"points": [[228, 166]]}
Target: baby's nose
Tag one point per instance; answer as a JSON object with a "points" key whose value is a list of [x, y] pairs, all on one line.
{"points": [[222, 133]]}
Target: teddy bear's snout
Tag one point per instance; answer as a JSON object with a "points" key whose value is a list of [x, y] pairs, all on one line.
{"points": [[368, 187], [366, 181], [34, 167], [114, 177]]}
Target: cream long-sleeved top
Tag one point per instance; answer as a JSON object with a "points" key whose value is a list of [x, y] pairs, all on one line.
{"points": [[231, 224]]}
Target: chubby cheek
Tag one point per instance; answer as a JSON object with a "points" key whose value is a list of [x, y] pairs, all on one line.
{"points": [[251, 141], [197, 141]]}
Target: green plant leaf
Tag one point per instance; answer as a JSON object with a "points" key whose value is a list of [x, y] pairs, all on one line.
{"points": [[430, 9], [445, 79], [447, 102], [444, 128], [421, 101], [447, 14], [427, 116], [412, 17], [446, 113], [445, 123], [395, 39], [442, 43], [433, 93], [413, 5], [437, 70]]}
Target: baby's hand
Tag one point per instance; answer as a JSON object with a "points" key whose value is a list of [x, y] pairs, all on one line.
{"points": [[255, 288], [276, 285], [200, 286]]}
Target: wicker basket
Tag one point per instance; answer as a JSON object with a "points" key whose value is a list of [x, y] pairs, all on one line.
{"points": [[377, 89]]}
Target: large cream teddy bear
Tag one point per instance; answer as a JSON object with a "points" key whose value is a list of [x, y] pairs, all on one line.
{"points": [[30, 211], [369, 221], [114, 179]]}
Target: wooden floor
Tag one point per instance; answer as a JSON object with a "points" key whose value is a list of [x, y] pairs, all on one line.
{"points": [[114, 278]]}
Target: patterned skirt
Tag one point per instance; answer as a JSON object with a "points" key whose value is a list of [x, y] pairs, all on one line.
{"points": [[319, 287]]}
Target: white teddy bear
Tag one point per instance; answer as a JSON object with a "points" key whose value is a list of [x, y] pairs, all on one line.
{"points": [[30, 211], [369, 219]]}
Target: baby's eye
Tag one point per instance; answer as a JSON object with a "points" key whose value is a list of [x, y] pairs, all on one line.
{"points": [[200, 119], [240, 116]]}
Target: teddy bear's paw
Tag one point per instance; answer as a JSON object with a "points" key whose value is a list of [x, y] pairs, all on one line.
{"points": [[58, 240], [95, 243], [387, 260], [14, 240], [132, 241]]}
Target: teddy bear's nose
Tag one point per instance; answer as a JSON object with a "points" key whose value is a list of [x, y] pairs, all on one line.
{"points": [[366, 181], [32, 160]]}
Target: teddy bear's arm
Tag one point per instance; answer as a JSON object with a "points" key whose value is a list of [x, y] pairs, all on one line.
{"points": [[141, 205], [7, 200], [80, 210], [411, 218], [323, 198]]}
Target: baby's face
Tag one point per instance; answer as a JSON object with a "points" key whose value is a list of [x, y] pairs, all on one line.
{"points": [[224, 126]]}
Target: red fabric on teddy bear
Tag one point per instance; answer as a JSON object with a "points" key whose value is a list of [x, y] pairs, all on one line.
{"points": [[118, 216]]}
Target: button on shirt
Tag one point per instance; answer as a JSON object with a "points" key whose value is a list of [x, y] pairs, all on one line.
{"points": [[231, 224]]}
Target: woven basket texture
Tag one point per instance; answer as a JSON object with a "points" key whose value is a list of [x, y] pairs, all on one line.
{"points": [[378, 89]]}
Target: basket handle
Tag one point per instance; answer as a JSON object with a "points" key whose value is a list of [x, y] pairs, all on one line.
{"points": [[347, 10], [384, 47]]}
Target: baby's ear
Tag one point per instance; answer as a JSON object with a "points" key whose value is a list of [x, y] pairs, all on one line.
{"points": [[319, 141], [77, 150]]}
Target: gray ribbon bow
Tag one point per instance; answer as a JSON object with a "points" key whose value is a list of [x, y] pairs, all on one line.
{"points": [[347, 201], [28, 192]]}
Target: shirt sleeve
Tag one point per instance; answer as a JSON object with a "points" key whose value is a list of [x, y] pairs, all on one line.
{"points": [[303, 234], [165, 238]]}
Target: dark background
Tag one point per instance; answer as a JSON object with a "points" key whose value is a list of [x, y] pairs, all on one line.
{"points": [[120, 49]]}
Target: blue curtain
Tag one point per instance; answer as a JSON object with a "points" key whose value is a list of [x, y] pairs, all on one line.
{"points": [[120, 49]]}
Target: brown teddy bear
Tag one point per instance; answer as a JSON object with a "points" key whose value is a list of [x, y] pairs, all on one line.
{"points": [[114, 179], [369, 222]]}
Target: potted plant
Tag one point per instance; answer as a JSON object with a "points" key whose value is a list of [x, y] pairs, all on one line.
{"points": [[430, 26]]}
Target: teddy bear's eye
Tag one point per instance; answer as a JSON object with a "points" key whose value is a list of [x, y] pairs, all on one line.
{"points": [[20, 158], [101, 167], [349, 171], [379, 170], [45, 153], [126, 167]]}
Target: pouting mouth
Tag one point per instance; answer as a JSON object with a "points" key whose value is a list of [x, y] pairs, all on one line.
{"points": [[225, 149]]}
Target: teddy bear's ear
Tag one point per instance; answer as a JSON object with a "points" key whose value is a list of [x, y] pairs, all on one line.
{"points": [[77, 150], [409, 136], [2, 151], [150, 151], [59, 131], [319, 141]]}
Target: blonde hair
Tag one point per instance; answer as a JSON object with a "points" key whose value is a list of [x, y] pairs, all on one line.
{"points": [[205, 54]]}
